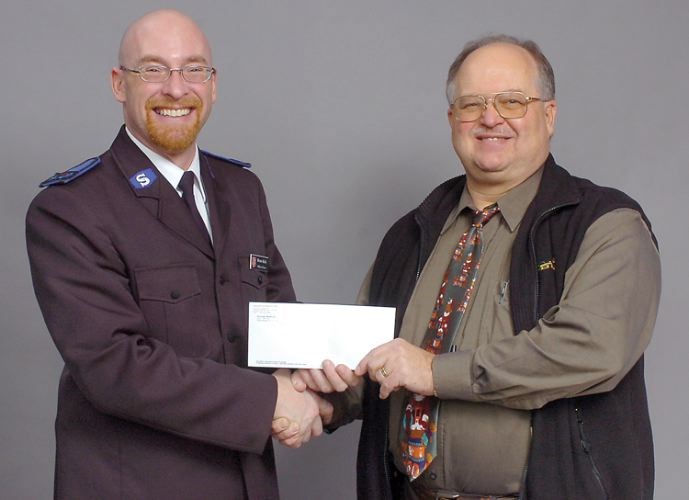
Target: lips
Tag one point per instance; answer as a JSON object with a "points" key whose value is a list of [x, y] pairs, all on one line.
{"points": [[173, 112], [491, 135], [173, 108], [491, 138]]}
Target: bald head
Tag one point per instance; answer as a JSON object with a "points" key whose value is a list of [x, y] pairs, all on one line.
{"points": [[165, 115], [161, 28]]}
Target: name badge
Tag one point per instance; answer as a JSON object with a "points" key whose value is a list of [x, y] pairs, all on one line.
{"points": [[260, 262]]}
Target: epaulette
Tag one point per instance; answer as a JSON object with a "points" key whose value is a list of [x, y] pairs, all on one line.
{"points": [[72, 173], [238, 163]]}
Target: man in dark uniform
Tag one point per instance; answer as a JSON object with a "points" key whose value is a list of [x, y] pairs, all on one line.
{"points": [[143, 261]]}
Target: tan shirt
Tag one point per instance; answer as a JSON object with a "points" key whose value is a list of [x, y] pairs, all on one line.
{"points": [[584, 345]]}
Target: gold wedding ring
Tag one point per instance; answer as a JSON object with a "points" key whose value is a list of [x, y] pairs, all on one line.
{"points": [[384, 371]]}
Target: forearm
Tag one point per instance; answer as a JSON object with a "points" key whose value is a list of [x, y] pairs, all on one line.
{"points": [[586, 344]]}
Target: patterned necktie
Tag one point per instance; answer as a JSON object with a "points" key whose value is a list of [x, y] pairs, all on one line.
{"points": [[420, 416], [187, 187]]}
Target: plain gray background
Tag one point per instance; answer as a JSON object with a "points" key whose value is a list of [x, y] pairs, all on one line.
{"points": [[340, 108]]}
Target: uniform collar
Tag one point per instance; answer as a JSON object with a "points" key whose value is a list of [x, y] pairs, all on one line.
{"points": [[171, 172]]}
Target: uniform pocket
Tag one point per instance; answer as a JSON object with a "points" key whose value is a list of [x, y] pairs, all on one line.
{"points": [[169, 300], [171, 284], [254, 277]]}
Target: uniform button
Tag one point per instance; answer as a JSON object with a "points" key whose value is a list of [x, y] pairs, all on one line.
{"points": [[223, 279], [174, 294], [260, 279], [434, 476], [231, 338]]}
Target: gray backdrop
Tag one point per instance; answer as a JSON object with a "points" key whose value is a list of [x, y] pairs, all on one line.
{"points": [[340, 107]]}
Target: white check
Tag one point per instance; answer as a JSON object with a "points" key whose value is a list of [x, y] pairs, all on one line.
{"points": [[291, 335]]}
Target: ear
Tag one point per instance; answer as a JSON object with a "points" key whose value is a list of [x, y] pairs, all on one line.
{"points": [[119, 88], [550, 116], [213, 86]]}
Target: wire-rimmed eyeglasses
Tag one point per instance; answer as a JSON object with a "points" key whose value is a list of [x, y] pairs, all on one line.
{"points": [[192, 73], [509, 105]]}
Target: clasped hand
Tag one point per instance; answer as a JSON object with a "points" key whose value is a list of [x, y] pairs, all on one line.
{"points": [[394, 365], [297, 414]]}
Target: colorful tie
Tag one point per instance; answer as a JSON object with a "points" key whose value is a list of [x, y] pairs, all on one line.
{"points": [[420, 415], [187, 187]]}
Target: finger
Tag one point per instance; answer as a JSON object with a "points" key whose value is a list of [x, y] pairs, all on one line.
{"points": [[321, 381], [375, 359], [325, 411], [283, 433], [348, 375], [386, 388], [317, 427], [306, 435], [286, 435], [279, 424], [375, 372], [298, 380], [336, 381], [294, 442]]}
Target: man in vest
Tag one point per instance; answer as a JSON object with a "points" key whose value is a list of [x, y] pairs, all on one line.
{"points": [[525, 299]]}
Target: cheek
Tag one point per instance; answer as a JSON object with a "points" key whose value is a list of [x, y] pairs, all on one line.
{"points": [[461, 135]]}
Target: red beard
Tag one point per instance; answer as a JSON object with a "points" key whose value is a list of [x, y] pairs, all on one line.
{"points": [[173, 138]]}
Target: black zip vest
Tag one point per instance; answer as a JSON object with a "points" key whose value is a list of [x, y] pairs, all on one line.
{"points": [[584, 448]]}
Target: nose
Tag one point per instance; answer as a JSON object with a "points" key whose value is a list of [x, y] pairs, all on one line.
{"points": [[490, 116], [175, 86]]}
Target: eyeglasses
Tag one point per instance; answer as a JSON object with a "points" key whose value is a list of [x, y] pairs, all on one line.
{"points": [[509, 105], [192, 73]]}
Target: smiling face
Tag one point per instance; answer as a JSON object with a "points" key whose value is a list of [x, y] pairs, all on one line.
{"points": [[167, 116], [498, 153]]}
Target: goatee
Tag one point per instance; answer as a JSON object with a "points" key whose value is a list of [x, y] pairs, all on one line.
{"points": [[173, 138]]}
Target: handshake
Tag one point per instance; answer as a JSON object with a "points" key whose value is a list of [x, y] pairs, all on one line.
{"points": [[301, 411]]}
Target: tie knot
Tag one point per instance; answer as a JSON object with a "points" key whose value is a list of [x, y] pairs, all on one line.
{"points": [[481, 217], [186, 184]]}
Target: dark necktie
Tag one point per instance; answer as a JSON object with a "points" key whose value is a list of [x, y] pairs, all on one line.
{"points": [[420, 415], [187, 187]]}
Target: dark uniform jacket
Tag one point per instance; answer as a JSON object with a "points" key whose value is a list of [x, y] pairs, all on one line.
{"points": [[589, 447], [155, 400]]}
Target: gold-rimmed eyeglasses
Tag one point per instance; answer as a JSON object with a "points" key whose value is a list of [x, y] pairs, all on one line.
{"points": [[192, 73], [509, 105]]}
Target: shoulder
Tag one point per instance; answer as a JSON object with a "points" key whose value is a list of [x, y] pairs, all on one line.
{"points": [[229, 169], [224, 160], [70, 174], [86, 187]]}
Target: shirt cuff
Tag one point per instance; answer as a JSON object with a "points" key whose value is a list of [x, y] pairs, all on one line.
{"points": [[452, 378]]}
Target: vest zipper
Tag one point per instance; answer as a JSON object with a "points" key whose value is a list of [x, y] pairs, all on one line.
{"points": [[386, 464], [532, 239], [586, 446]]}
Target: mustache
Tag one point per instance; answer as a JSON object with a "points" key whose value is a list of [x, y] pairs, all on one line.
{"points": [[480, 132], [184, 102]]}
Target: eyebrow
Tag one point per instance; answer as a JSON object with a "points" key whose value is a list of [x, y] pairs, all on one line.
{"points": [[159, 60], [499, 92]]}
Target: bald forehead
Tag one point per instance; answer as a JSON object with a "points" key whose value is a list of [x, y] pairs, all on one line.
{"points": [[164, 34], [497, 67], [499, 58]]}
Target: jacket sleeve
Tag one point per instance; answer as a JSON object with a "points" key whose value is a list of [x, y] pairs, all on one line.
{"points": [[584, 345], [83, 289]]}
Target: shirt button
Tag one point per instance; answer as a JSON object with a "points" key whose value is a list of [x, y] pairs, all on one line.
{"points": [[231, 338], [223, 279], [174, 294], [260, 279]]}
